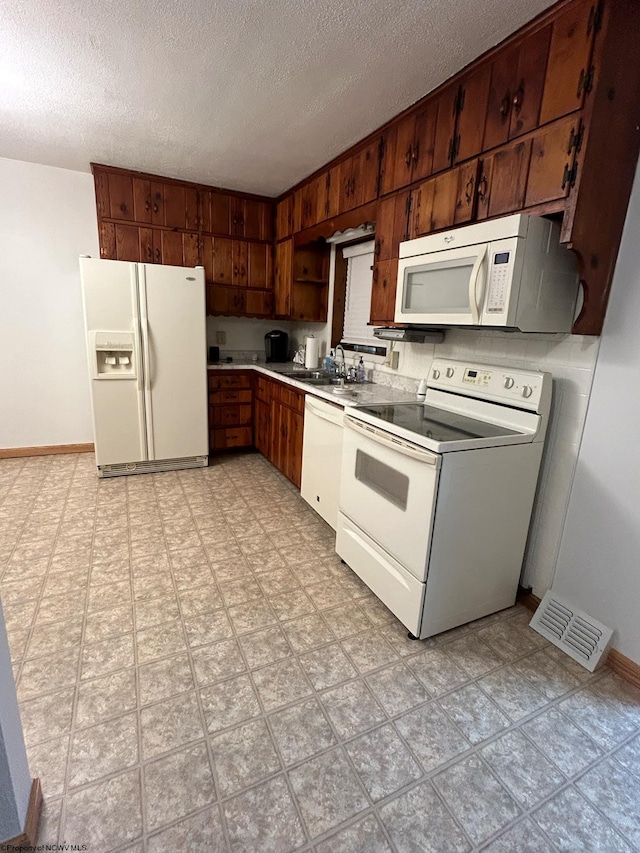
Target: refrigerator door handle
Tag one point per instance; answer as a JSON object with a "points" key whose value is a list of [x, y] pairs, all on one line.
{"points": [[144, 325], [142, 420]]}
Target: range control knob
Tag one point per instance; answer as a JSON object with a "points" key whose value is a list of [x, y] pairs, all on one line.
{"points": [[449, 372], [527, 390], [508, 382], [435, 374]]}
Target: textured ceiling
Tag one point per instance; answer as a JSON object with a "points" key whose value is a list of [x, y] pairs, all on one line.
{"points": [[236, 93]]}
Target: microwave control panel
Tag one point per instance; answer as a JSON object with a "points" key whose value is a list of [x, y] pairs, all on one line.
{"points": [[498, 283]]}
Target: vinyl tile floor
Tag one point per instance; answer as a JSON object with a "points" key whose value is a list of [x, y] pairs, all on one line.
{"points": [[197, 671]]}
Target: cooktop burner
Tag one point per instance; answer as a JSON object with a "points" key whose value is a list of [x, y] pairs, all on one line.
{"points": [[436, 424]]}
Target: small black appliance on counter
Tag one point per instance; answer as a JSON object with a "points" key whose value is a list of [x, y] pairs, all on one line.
{"points": [[276, 346]]}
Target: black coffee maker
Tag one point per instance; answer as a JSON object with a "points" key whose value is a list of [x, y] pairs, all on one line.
{"points": [[276, 346]]}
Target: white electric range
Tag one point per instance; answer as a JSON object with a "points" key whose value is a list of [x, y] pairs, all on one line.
{"points": [[436, 497]]}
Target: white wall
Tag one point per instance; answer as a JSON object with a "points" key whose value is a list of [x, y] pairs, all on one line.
{"points": [[599, 561], [47, 219]]}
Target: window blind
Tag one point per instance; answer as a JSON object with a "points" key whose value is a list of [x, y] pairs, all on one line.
{"points": [[357, 308]]}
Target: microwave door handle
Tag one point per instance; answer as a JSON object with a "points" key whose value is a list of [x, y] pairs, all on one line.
{"points": [[477, 276]]}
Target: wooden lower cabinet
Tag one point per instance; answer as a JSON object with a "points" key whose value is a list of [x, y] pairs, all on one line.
{"points": [[278, 417], [230, 410]]}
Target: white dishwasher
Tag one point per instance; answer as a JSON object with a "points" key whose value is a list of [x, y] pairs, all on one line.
{"points": [[322, 457]]}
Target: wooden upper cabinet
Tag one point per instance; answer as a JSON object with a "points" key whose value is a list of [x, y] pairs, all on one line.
{"points": [[472, 109], [391, 225], [553, 161], [283, 278], [515, 93], [359, 177], [120, 196], [260, 265], [569, 65], [445, 200], [180, 206], [502, 180], [447, 107], [327, 194], [251, 219], [407, 149], [383, 291], [284, 218]]}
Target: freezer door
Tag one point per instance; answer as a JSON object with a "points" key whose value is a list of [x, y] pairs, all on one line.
{"points": [[110, 297], [173, 322]]}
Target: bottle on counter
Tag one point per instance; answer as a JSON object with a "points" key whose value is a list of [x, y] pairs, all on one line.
{"points": [[361, 373], [328, 363], [422, 391]]}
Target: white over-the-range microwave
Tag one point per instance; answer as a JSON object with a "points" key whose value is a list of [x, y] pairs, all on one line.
{"points": [[508, 273]]}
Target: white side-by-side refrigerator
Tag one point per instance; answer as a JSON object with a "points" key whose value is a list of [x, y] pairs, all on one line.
{"points": [[146, 345]]}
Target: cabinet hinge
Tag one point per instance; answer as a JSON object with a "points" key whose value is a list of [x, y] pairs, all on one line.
{"points": [[595, 18], [585, 81], [569, 175], [575, 139]]}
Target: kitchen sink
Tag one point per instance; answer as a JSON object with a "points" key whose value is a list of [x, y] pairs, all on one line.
{"points": [[316, 377]]}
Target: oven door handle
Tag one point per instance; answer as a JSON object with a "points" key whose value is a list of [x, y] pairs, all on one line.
{"points": [[396, 444], [477, 275]]}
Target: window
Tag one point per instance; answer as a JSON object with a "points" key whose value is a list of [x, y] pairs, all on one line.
{"points": [[357, 308]]}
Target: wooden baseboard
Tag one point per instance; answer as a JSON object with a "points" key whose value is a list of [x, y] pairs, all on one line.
{"points": [[619, 663], [624, 667], [45, 450], [28, 838], [529, 600]]}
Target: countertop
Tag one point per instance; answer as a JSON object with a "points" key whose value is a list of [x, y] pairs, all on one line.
{"points": [[367, 394]]}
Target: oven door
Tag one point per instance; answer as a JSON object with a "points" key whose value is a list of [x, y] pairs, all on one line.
{"points": [[443, 287], [388, 489]]}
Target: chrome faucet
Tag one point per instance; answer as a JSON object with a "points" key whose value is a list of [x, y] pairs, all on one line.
{"points": [[341, 369]]}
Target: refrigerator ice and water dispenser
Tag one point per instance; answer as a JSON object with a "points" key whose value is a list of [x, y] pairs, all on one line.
{"points": [[113, 355]]}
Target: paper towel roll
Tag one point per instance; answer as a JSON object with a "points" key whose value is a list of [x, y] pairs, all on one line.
{"points": [[312, 352]]}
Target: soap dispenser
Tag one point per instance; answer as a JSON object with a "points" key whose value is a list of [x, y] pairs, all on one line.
{"points": [[361, 373], [422, 391]]}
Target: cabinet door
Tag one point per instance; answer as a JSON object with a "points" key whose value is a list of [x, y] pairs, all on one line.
{"points": [[107, 240], [150, 242], [127, 243], [221, 209], [179, 249], [260, 303], [308, 200], [365, 188], [222, 260], [383, 291], [503, 180], [346, 185], [293, 464], [466, 195], [550, 161], [569, 58], [157, 203], [261, 427], [445, 195], [529, 83], [501, 88], [333, 192], [237, 301], [424, 140], [445, 127], [142, 200], [284, 217], [474, 91], [421, 209], [260, 265], [298, 206], [180, 206], [259, 220], [404, 146], [277, 434], [283, 278], [120, 196], [240, 252], [237, 209], [385, 218], [101, 184]]}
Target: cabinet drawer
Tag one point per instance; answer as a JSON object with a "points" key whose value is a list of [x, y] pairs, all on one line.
{"points": [[220, 416], [232, 437], [292, 398], [220, 397], [222, 381]]}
